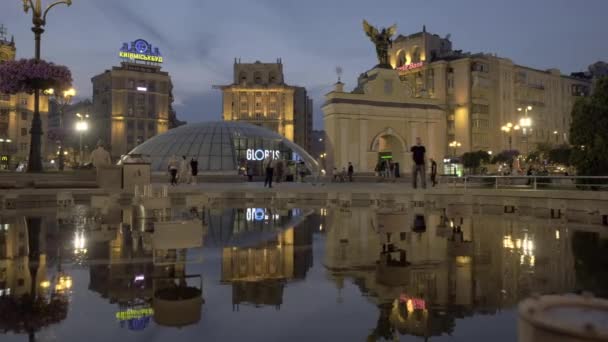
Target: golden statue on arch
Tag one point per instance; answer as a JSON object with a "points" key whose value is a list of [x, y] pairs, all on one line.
{"points": [[382, 40]]}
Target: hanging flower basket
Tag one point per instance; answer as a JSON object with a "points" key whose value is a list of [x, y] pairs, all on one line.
{"points": [[28, 75]]}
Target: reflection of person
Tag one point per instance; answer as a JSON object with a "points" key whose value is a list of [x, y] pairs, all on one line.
{"points": [[351, 170], [100, 157], [418, 152]]}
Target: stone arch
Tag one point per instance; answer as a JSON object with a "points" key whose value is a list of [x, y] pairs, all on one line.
{"points": [[416, 54], [390, 133], [400, 59]]}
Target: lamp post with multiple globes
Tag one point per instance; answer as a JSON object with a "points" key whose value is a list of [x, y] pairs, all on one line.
{"points": [[39, 21]]}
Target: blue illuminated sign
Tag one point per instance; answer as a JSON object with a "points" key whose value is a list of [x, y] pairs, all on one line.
{"points": [[140, 50]]}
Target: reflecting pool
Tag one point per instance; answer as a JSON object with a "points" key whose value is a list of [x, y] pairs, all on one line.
{"points": [[327, 274]]}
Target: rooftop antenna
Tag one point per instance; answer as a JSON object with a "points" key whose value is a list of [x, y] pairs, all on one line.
{"points": [[339, 73]]}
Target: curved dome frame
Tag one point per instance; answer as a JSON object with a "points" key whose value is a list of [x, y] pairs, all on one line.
{"points": [[218, 145]]}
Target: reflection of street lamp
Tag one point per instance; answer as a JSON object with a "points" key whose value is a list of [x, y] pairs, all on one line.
{"points": [[39, 21], [82, 126], [556, 136]]}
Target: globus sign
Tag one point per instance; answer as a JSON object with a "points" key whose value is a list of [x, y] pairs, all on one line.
{"points": [[260, 154], [140, 50]]}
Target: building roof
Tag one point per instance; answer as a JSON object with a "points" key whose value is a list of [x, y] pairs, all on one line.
{"points": [[213, 144]]}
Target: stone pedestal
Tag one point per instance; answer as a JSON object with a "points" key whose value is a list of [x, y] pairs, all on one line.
{"points": [[109, 177]]}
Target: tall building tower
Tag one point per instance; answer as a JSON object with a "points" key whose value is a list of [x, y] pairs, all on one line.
{"points": [[131, 102], [259, 95], [16, 113]]}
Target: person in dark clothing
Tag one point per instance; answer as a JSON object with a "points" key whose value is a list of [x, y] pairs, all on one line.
{"points": [[193, 169], [397, 171], [433, 172], [269, 172], [418, 152], [351, 170], [249, 171]]}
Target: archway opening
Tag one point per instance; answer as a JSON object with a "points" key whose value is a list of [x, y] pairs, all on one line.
{"points": [[390, 157]]}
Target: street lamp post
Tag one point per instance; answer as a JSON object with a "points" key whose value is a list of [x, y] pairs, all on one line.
{"points": [[509, 129], [454, 145], [63, 100], [82, 126], [39, 21], [526, 123]]}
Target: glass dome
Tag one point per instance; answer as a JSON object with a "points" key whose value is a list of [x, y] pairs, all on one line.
{"points": [[222, 147]]}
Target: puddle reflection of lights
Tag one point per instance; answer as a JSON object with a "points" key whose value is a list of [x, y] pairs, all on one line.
{"points": [[557, 235], [320, 227], [79, 243], [140, 277]]}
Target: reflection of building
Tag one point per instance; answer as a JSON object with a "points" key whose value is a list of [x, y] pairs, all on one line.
{"points": [[16, 113], [145, 273], [131, 104], [222, 147], [482, 92], [259, 267], [497, 262], [259, 95]]}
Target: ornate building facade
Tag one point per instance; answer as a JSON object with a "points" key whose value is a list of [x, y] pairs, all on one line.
{"points": [[131, 103], [483, 92], [260, 96]]}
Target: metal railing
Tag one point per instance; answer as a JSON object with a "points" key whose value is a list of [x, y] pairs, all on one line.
{"points": [[528, 182]]}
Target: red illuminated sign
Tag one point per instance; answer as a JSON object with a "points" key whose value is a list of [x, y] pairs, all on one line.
{"points": [[411, 66], [416, 303]]}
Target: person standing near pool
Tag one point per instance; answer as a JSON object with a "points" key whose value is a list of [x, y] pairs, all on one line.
{"points": [[418, 156]]}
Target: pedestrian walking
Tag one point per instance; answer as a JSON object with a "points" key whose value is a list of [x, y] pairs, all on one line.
{"points": [[269, 166], [279, 171], [249, 171], [351, 170], [418, 155], [397, 171], [184, 170], [302, 171], [193, 169], [173, 167], [433, 172]]}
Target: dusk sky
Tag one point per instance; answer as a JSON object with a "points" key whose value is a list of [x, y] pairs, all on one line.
{"points": [[200, 39]]}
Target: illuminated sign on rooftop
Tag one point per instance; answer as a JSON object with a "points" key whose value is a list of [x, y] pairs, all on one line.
{"points": [[140, 50], [411, 66]]}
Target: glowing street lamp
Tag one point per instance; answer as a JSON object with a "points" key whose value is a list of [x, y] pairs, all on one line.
{"points": [[455, 144], [81, 127], [64, 100], [509, 128]]}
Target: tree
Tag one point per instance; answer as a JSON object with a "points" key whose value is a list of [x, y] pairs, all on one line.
{"points": [[589, 132], [505, 156], [560, 155], [473, 160]]}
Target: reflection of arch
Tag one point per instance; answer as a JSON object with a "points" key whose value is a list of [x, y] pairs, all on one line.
{"points": [[387, 133], [400, 58], [416, 55]]}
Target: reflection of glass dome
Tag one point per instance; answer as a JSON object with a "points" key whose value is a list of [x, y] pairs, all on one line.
{"points": [[221, 147]]}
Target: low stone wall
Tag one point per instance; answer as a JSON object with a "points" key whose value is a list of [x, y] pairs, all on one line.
{"points": [[67, 179]]}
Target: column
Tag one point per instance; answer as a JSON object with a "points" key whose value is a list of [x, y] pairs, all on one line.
{"points": [[363, 147]]}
